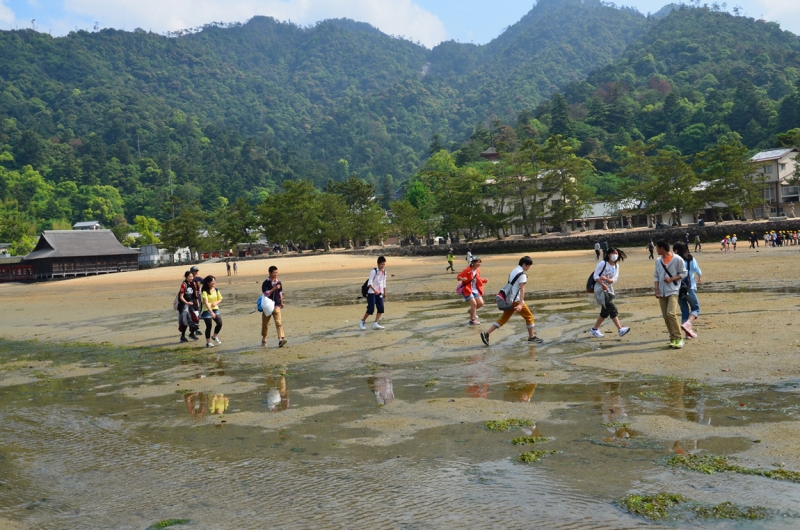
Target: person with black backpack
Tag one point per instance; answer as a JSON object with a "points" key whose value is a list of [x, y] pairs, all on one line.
{"points": [[514, 291], [687, 296], [376, 294], [605, 276]]}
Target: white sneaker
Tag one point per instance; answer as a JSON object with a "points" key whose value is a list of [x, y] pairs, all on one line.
{"points": [[216, 339], [209, 344], [377, 326], [623, 331], [361, 325], [596, 333]]}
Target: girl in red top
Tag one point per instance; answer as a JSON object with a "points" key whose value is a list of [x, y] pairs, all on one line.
{"points": [[472, 288]]}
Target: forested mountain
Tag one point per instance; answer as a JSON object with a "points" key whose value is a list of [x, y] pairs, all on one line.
{"points": [[113, 123]]}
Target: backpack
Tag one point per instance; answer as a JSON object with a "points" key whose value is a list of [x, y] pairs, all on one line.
{"points": [[590, 283], [503, 295], [686, 283], [365, 287]]}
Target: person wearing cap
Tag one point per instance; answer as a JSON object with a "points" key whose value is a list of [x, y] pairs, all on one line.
{"points": [[472, 288], [518, 295], [450, 259], [734, 239]]}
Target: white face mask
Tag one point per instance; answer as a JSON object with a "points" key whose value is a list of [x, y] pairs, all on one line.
{"points": [[613, 258]]}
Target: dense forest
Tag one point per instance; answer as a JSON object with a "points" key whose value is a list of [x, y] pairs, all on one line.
{"points": [[120, 126]]}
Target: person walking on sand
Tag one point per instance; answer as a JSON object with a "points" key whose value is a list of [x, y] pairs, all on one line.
{"points": [[753, 240], [186, 305], [690, 306], [669, 271], [650, 247], [472, 288], [376, 295], [228, 267], [606, 275], [597, 251], [469, 256], [517, 294], [734, 239], [235, 268], [211, 299], [450, 259], [273, 289], [697, 246]]}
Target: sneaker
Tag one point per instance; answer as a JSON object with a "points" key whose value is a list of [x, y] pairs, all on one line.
{"points": [[474, 323], [596, 333], [623, 331], [535, 340], [281, 343], [184, 339], [687, 327], [193, 336], [677, 343], [377, 326], [361, 325], [485, 337], [209, 344], [216, 339]]}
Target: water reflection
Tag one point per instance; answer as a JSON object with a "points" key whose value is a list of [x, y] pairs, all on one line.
{"points": [[197, 404], [519, 391], [277, 395], [219, 404], [383, 389], [479, 376]]}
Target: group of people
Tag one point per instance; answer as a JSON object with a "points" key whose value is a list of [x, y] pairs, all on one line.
{"points": [[198, 298], [780, 238]]}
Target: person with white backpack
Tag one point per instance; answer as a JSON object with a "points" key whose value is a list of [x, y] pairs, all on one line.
{"points": [[513, 294], [273, 291]]}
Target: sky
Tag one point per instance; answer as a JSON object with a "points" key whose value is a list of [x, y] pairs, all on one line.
{"points": [[426, 21]]}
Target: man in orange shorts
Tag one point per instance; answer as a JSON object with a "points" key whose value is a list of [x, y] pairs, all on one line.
{"points": [[518, 295]]}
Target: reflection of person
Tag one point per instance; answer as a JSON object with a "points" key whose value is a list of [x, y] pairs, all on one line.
{"points": [[273, 289], [219, 404], [472, 288], [277, 394], [383, 389], [519, 391], [196, 404]]}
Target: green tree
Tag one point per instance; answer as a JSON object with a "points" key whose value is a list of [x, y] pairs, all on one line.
{"points": [[185, 230], [292, 215], [235, 223], [147, 227], [406, 220], [564, 179], [672, 189]]}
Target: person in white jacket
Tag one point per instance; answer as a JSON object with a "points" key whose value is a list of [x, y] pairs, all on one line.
{"points": [[606, 274]]}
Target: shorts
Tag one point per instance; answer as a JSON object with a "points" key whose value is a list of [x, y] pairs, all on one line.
{"points": [[473, 295], [373, 301], [610, 309]]}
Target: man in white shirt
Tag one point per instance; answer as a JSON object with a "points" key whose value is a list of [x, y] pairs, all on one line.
{"points": [[518, 280], [376, 295]]}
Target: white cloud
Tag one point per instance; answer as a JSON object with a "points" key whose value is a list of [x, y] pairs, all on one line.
{"points": [[6, 14], [784, 12], [395, 17]]}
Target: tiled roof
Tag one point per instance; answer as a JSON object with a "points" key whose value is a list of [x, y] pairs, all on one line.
{"points": [[77, 243], [773, 154]]}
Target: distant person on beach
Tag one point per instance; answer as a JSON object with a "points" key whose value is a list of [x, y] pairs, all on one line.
{"points": [[211, 299], [228, 267], [450, 259], [687, 296], [606, 275], [753, 240], [669, 271], [518, 296], [469, 256], [597, 251], [186, 305], [686, 239], [650, 247], [235, 268], [273, 289], [697, 246], [734, 240], [472, 288], [604, 246], [376, 295]]}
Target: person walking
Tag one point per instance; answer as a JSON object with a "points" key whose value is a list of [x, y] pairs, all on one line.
{"points": [[606, 275], [690, 306], [753, 240], [273, 289], [686, 239], [669, 271], [604, 246], [597, 251], [517, 294], [734, 239], [211, 298], [228, 267], [697, 246], [186, 305], [650, 247], [235, 268], [472, 288], [450, 259], [469, 256], [376, 295]]}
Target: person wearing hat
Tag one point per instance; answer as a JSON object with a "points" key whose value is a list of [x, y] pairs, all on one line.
{"points": [[472, 288], [517, 294], [450, 259], [734, 239], [753, 240]]}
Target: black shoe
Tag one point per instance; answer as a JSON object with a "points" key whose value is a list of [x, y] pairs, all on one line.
{"points": [[193, 336], [184, 339], [281, 343], [485, 337], [535, 340]]}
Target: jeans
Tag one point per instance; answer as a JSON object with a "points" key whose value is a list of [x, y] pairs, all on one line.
{"points": [[689, 305]]}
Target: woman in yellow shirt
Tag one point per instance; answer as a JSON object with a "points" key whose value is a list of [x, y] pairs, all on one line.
{"points": [[211, 299]]}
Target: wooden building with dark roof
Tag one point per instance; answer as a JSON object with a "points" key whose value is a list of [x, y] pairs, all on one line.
{"points": [[71, 253]]}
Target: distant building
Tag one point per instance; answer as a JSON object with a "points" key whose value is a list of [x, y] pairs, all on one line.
{"points": [[491, 155], [70, 253], [778, 166], [87, 225]]}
